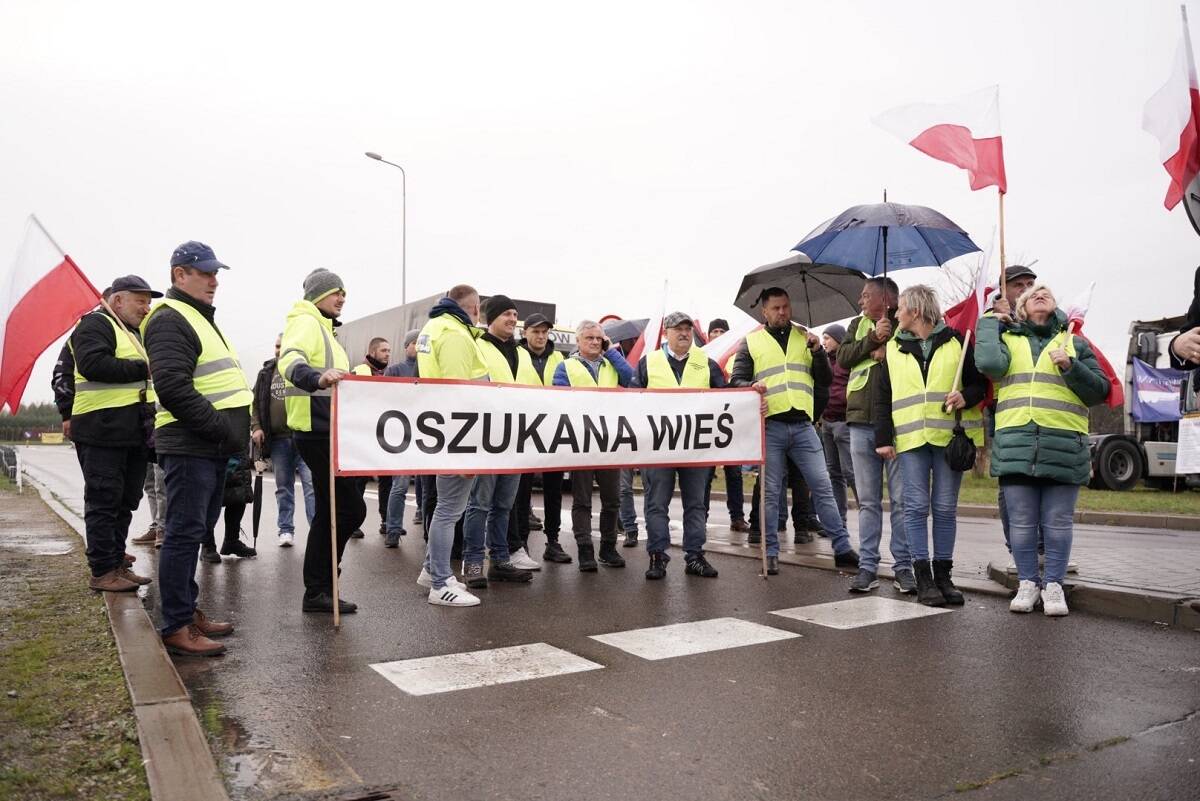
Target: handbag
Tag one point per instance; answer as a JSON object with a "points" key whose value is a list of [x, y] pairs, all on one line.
{"points": [[961, 451]]}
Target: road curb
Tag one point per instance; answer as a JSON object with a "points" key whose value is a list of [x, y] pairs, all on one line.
{"points": [[175, 753]]}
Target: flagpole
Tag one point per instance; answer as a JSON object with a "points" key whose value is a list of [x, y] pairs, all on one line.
{"points": [[1003, 258]]}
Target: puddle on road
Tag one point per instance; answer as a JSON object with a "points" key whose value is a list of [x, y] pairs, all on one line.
{"points": [[37, 537]]}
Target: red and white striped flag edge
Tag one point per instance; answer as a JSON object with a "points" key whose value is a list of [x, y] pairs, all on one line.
{"points": [[41, 298], [1077, 310], [964, 132], [1172, 115], [722, 348]]}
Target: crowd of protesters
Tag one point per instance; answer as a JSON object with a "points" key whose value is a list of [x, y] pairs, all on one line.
{"points": [[155, 399]]}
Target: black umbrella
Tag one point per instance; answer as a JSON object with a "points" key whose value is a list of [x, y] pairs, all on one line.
{"points": [[621, 330], [256, 508], [820, 293], [878, 237]]}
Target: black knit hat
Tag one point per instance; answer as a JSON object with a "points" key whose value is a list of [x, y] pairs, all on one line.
{"points": [[495, 306]]}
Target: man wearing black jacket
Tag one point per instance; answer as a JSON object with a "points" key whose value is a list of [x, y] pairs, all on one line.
{"points": [[108, 414], [203, 419]]}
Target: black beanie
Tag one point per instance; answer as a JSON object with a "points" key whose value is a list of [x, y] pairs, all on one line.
{"points": [[495, 306]]}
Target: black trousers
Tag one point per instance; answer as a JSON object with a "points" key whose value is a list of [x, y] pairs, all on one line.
{"points": [[351, 512], [234, 512], [609, 483], [112, 490], [385, 489]]}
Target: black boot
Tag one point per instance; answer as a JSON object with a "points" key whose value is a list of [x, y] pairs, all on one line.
{"points": [[941, 579], [608, 551], [927, 592], [587, 555], [555, 553], [237, 548]]}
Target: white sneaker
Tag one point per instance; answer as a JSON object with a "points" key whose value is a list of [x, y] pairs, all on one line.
{"points": [[425, 580], [286, 540], [1027, 597], [523, 561], [453, 594], [1054, 601]]}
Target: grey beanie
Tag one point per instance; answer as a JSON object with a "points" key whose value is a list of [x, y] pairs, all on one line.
{"points": [[411, 336], [836, 332], [319, 283]]}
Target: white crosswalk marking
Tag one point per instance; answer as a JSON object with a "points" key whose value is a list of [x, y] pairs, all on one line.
{"points": [[683, 639], [440, 674], [857, 612]]}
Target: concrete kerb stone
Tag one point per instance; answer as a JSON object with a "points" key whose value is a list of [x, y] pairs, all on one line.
{"points": [[175, 752]]}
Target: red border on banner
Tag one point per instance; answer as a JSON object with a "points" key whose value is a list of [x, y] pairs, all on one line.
{"points": [[762, 423]]}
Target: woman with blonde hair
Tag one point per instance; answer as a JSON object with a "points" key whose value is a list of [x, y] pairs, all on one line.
{"points": [[918, 404], [1046, 378]]}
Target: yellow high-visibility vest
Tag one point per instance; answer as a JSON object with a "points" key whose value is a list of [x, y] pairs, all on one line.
{"points": [[1038, 392], [218, 375], [307, 338], [787, 376], [860, 373], [91, 396], [695, 375], [435, 333], [919, 413], [499, 371], [553, 360], [579, 375]]}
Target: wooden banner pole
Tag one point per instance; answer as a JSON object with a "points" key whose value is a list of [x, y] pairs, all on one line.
{"points": [[333, 532]]}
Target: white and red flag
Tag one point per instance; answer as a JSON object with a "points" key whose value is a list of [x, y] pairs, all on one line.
{"points": [[1076, 311], [964, 132], [721, 349], [41, 297], [963, 316], [1172, 115]]}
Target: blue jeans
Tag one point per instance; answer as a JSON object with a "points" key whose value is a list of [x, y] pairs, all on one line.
{"points": [[286, 462], [660, 487], [799, 443], [453, 492], [488, 509], [918, 468], [628, 512], [395, 505], [835, 437], [869, 469], [1048, 509], [195, 486]]}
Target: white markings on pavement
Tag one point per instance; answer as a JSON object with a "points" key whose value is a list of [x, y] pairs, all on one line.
{"points": [[440, 674], [857, 612], [683, 639]]}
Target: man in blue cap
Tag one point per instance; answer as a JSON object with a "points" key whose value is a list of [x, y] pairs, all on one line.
{"points": [[203, 419]]}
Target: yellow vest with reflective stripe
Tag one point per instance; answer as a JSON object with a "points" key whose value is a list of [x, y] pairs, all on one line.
{"points": [[218, 374], [579, 375], [553, 360], [1038, 392], [860, 372], [362, 369], [919, 413], [436, 331], [91, 396], [308, 338], [788, 377], [500, 372], [695, 375]]}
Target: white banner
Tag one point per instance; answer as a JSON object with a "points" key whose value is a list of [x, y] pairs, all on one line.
{"points": [[411, 426]]}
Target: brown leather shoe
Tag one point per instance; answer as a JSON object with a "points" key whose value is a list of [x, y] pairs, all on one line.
{"points": [[134, 577], [739, 525], [129, 559], [113, 581], [211, 628], [146, 539], [190, 641]]}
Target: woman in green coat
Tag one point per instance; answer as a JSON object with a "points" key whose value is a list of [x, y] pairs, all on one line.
{"points": [[1046, 379]]}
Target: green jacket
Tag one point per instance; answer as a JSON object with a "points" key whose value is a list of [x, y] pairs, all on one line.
{"points": [[1031, 450], [860, 404]]}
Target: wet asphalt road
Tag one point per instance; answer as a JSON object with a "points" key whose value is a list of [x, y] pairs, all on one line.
{"points": [[1081, 707]]}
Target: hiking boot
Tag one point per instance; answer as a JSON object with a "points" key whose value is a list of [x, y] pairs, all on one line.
{"points": [[847, 558], [521, 560], [190, 641], [1028, 594], [208, 553], [146, 539], [506, 571], [237, 548], [865, 581], [587, 556], [472, 573], [608, 553], [905, 581], [1054, 601], [391, 539], [699, 566], [324, 603], [658, 567], [126, 573], [630, 540], [113, 581], [740, 526], [357, 534], [802, 537], [941, 579], [927, 592], [210, 628], [772, 565], [555, 553]]}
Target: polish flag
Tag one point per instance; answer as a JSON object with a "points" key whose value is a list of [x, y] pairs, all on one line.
{"points": [[1172, 115], [963, 316], [41, 298], [722, 348], [964, 132], [1076, 311]]}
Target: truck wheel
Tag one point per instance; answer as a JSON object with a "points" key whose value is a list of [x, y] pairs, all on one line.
{"points": [[1119, 465]]}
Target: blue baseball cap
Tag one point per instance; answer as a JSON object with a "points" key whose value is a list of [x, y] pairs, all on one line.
{"points": [[197, 255]]}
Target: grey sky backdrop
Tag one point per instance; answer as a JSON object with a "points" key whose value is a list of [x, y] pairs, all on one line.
{"points": [[574, 153]]}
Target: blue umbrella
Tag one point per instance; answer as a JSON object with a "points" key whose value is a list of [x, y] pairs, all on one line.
{"points": [[878, 237]]}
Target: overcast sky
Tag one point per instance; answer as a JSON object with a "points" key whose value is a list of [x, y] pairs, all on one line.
{"points": [[568, 153]]}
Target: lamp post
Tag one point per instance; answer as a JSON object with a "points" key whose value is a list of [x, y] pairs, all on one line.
{"points": [[403, 225]]}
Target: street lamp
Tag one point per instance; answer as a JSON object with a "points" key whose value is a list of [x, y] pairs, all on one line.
{"points": [[403, 225]]}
